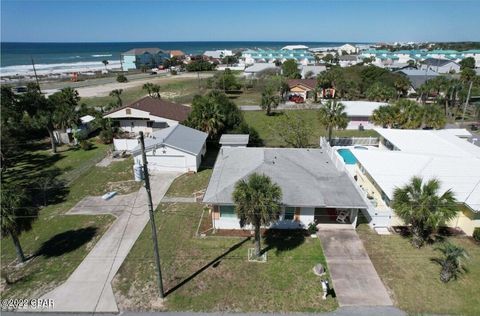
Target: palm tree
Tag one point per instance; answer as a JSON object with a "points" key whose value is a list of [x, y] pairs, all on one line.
{"points": [[433, 116], [421, 206], [148, 87], [212, 121], [332, 115], [156, 90], [257, 202], [269, 100], [409, 114], [105, 63], [401, 84], [451, 262], [117, 94], [16, 217], [385, 116]]}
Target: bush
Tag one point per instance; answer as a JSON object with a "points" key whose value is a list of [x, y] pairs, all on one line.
{"points": [[173, 72], [122, 78], [106, 136], [86, 145], [476, 233], [312, 228]]}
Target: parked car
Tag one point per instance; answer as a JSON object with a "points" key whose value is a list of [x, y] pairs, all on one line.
{"points": [[296, 99]]}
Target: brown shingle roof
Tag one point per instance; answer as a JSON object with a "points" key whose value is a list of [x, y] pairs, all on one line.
{"points": [[159, 107], [309, 83]]}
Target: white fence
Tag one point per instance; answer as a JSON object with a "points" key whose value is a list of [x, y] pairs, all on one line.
{"points": [[374, 217], [351, 141], [124, 144]]}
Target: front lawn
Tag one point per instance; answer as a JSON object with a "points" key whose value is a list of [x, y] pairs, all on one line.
{"points": [[265, 127], [414, 279], [189, 183], [212, 273], [57, 243]]}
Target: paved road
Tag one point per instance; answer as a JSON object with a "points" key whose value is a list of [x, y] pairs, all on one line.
{"points": [[355, 281], [283, 106], [342, 311], [88, 289]]}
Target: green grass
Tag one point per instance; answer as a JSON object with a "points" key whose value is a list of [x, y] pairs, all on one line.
{"points": [[414, 279], [179, 90], [66, 239], [189, 183], [285, 283], [265, 126]]}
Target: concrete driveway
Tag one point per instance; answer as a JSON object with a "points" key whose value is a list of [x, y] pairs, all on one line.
{"points": [[88, 289], [355, 281]]}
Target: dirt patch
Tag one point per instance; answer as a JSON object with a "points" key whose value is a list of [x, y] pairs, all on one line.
{"points": [[123, 187]]}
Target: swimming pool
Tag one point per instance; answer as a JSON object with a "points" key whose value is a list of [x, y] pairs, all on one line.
{"points": [[347, 156]]}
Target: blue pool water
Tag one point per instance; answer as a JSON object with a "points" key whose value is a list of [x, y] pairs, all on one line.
{"points": [[347, 156]]}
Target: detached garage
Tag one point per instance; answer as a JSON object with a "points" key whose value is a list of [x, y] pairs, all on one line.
{"points": [[176, 148]]}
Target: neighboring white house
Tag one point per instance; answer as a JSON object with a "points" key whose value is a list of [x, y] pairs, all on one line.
{"points": [[68, 136], [348, 48], [440, 66], [218, 54], [313, 189], [148, 115], [312, 70], [257, 69], [360, 112], [429, 154], [348, 60], [176, 148], [234, 140]]}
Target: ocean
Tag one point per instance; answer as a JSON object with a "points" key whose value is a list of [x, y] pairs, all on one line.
{"points": [[16, 58]]}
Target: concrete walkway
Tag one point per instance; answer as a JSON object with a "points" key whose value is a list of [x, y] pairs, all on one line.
{"points": [[355, 281], [88, 289]]}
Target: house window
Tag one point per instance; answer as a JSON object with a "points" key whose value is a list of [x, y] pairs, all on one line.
{"points": [[149, 123], [116, 124], [227, 211], [132, 124], [289, 213], [128, 111]]}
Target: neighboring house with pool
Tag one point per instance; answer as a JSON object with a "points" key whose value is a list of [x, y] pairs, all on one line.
{"points": [[402, 154]]}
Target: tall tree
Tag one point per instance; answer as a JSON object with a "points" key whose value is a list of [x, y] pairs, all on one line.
{"points": [[421, 206], [16, 215], [290, 69], [294, 130], [148, 87], [452, 262], [468, 62], [65, 105], [105, 63], [270, 99], [117, 93], [385, 116], [401, 84], [433, 116], [409, 114], [11, 120], [257, 203], [332, 115]]}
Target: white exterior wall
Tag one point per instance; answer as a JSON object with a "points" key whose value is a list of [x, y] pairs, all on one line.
{"points": [[139, 119], [121, 144], [170, 160]]}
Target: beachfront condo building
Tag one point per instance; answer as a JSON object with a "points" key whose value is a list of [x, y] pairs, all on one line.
{"points": [[140, 58]]}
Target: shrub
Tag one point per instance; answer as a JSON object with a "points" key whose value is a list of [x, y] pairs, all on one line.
{"points": [[476, 233], [173, 72], [106, 136], [86, 145], [122, 78], [312, 228]]}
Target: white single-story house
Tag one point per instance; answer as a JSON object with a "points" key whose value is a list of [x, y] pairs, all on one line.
{"points": [[440, 66], [175, 148], [360, 112], [313, 189], [234, 140], [313, 70], [258, 69], [218, 54], [148, 115], [403, 154], [347, 48]]}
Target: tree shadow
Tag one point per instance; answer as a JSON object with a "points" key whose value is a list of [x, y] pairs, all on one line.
{"points": [[66, 242], [284, 239], [215, 263]]}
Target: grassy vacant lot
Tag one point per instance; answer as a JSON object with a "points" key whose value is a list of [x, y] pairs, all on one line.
{"points": [[57, 242], [414, 279], [212, 273], [265, 126], [180, 90]]}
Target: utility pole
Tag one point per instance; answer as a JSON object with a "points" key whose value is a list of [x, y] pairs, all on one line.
{"points": [[152, 218], [35, 72]]}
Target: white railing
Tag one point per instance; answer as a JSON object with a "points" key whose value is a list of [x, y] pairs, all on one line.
{"points": [[351, 141], [376, 218], [121, 144]]}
